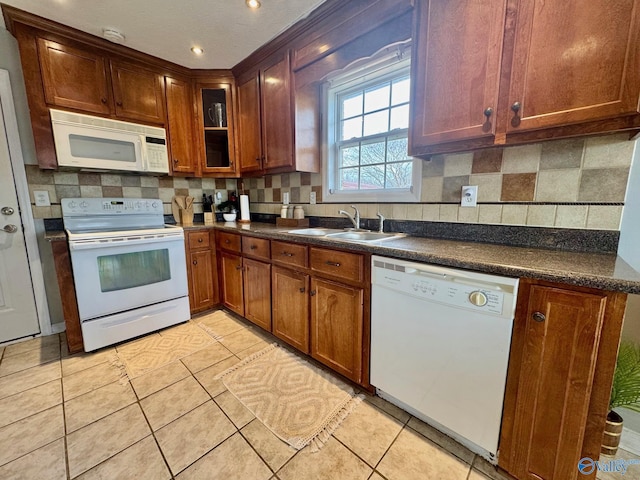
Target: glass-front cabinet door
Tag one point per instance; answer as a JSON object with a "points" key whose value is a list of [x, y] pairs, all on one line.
{"points": [[217, 152]]}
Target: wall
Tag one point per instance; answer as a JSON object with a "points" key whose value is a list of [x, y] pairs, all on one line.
{"points": [[577, 183]]}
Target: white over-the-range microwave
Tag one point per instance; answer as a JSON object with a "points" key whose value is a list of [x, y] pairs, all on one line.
{"points": [[95, 143]]}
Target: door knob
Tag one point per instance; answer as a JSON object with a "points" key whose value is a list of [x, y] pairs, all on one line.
{"points": [[10, 228], [539, 316], [7, 211]]}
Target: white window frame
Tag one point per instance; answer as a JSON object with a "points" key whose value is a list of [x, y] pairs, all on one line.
{"points": [[388, 66]]}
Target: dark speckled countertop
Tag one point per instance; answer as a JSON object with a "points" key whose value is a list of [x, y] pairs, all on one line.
{"points": [[596, 270]]}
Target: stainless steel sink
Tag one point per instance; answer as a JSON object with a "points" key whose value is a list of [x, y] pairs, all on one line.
{"points": [[312, 232], [366, 237]]}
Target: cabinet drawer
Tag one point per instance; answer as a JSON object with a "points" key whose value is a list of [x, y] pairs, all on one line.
{"points": [[228, 241], [345, 265], [289, 253], [198, 240], [256, 247]]}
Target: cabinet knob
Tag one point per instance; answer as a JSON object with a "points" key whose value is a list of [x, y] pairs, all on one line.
{"points": [[539, 316], [488, 112], [195, 262], [199, 240], [176, 161], [312, 293], [516, 107], [119, 104], [302, 290], [103, 99], [227, 242], [333, 264], [258, 160], [238, 267], [253, 247]]}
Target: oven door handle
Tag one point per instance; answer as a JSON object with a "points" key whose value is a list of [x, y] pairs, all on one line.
{"points": [[114, 242]]}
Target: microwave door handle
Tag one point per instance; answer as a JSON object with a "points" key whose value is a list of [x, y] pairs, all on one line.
{"points": [[142, 145]]}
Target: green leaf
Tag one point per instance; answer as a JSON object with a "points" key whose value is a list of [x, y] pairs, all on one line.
{"points": [[625, 391]]}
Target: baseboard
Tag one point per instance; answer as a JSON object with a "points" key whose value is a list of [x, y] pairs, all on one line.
{"points": [[630, 441]]}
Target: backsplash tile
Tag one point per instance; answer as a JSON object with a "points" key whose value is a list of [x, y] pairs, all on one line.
{"points": [[488, 160], [518, 187]]}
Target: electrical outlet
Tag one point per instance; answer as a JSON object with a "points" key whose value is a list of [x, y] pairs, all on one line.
{"points": [[469, 196], [312, 198], [285, 198], [42, 198]]}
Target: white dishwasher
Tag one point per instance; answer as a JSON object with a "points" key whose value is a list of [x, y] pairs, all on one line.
{"points": [[440, 342]]}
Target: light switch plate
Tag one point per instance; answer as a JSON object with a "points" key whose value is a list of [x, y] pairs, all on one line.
{"points": [[469, 196], [285, 198], [312, 198], [42, 198]]}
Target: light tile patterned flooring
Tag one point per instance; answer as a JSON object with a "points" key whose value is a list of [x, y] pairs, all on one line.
{"points": [[67, 417]]}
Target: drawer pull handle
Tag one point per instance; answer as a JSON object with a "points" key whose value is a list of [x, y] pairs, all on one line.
{"points": [[287, 254], [488, 112], [333, 264], [103, 99], [539, 316], [199, 240], [312, 293], [253, 247], [302, 290], [195, 262]]}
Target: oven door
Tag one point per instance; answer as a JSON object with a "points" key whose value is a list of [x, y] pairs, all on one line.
{"points": [[115, 275]]}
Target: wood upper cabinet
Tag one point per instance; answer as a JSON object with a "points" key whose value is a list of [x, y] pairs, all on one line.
{"points": [[180, 123], [231, 282], [74, 77], [560, 371], [257, 292], [138, 93], [516, 71], [249, 132], [456, 62], [82, 79], [337, 327], [290, 307], [201, 270]]}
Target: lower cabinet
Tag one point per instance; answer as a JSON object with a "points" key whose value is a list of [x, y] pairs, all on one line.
{"points": [[561, 367], [201, 270], [257, 292], [290, 307], [337, 326], [231, 284]]}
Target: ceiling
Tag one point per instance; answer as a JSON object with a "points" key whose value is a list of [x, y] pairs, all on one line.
{"points": [[227, 29]]}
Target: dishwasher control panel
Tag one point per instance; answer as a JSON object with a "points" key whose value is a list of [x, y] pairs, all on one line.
{"points": [[443, 288]]}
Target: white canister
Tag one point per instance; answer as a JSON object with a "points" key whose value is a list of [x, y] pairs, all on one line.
{"points": [[298, 212], [283, 211]]}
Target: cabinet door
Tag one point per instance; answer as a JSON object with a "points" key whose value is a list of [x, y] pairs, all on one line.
{"points": [[456, 64], [74, 78], [558, 334], [336, 327], [277, 124], [257, 292], [231, 282], [249, 130], [180, 124], [566, 72], [202, 294], [138, 93], [290, 299]]}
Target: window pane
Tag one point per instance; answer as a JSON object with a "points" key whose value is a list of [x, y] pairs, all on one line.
{"points": [[397, 150], [376, 123], [372, 177], [400, 91], [352, 128], [372, 153], [399, 175], [349, 179], [129, 270], [349, 156], [352, 105], [400, 117], [376, 98]]}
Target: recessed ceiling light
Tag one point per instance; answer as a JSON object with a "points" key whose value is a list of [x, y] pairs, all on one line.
{"points": [[253, 4], [197, 50]]}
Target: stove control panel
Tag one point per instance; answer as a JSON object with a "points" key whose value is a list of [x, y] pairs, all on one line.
{"points": [[110, 206]]}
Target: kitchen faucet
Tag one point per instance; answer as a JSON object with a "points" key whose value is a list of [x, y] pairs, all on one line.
{"points": [[354, 219], [381, 225]]}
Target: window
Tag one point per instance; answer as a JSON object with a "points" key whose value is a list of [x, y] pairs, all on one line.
{"points": [[367, 127]]}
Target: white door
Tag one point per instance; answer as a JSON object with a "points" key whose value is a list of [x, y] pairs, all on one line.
{"points": [[18, 317]]}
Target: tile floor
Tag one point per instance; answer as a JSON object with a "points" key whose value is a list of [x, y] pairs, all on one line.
{"points": [[68, 417]]}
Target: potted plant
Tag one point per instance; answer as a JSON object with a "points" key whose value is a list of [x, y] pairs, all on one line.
{"points": [[625, 392], [229, 208]]}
